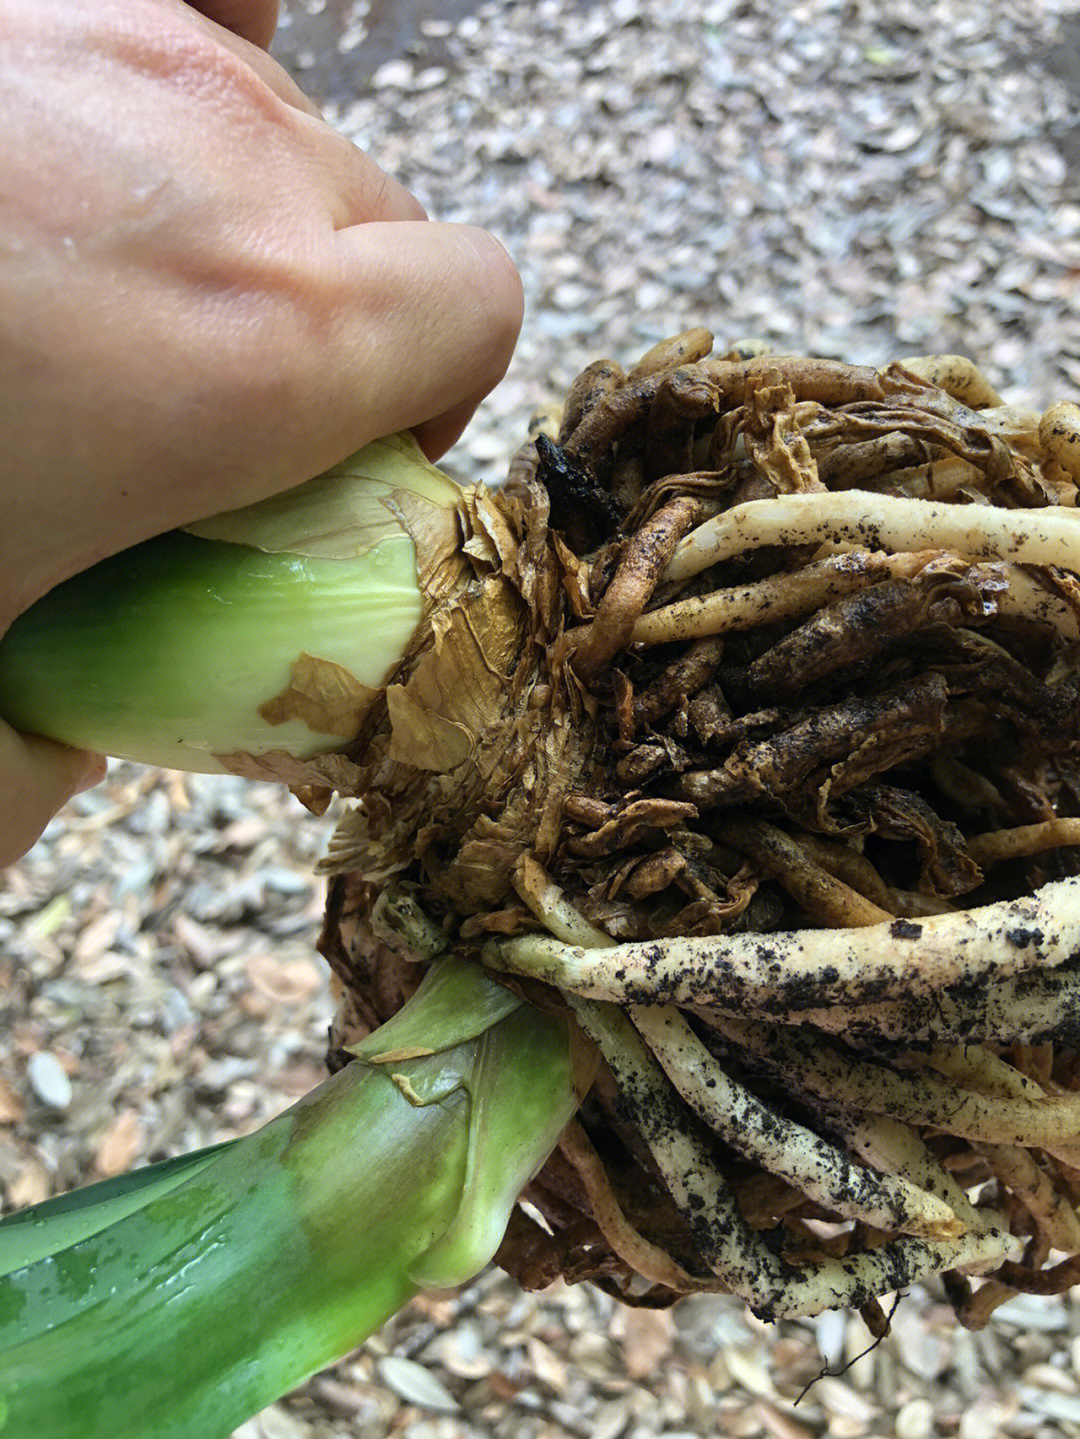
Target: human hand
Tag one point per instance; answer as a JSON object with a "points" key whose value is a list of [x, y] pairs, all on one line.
{"points": [[206, 296]]}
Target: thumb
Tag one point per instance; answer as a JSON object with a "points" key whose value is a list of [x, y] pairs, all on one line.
{"points": [[38, 778]]}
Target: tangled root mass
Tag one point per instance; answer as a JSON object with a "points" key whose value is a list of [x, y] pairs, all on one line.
{"points": [[746, 727]]}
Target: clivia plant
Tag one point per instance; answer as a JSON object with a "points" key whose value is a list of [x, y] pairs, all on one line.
{"points": [[709, 877]]}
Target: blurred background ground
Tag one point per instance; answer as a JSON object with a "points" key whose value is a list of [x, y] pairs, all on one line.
{"points": [[857, 180]]}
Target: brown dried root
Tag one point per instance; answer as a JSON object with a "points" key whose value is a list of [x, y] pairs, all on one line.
{"points": [[647, 556], [642, 1256], [821, 893], [1054, 1214], [1027, 839]]}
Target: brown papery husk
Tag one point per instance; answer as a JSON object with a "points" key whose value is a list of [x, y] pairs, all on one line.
{"points": [[815, 754]]}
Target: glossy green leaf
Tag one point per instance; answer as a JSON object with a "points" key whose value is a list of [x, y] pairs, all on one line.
{"points": [[278, 1253]]}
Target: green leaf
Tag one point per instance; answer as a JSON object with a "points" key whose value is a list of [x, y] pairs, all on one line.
{"points": [[456, 1002], [47, 1228], [263, 1261], [520, 1102]]}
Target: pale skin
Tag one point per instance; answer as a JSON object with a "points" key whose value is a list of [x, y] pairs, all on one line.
{"points": [[207, 295]]}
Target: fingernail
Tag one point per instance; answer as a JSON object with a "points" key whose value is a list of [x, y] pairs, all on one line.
{"points": [[94, 773]]}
